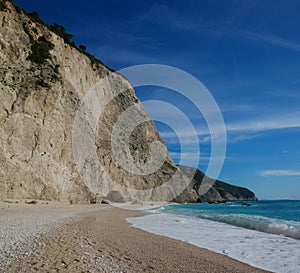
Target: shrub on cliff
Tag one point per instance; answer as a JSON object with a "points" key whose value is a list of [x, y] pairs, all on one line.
{"points": [[40, 51], [35, 17], [61, 31]]}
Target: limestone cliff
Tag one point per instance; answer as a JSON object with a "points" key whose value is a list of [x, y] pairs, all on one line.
{"points": [[44, 80]]}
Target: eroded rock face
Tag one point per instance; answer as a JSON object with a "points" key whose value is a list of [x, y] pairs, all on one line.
{"points": [[40, 96], [44, 82]]}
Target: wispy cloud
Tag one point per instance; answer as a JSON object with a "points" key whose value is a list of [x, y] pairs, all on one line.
{"points": [[241, 137], [279, 173], [192, 159], [274, 40], [249, 126], [125, 56], [236, 132], [238, 107], [265, 124]]}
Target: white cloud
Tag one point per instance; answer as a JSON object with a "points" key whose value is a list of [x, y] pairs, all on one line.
{"points": [[241, 137], [240, 108], [274, 40], [184, 140], [193, 160], [279, 173], [124, 56], [247, 126], [264, 124]]}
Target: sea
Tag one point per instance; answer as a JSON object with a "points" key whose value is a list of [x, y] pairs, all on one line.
{"points": [[264, 234]]}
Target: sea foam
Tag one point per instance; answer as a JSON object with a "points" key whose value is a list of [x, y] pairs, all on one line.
{"points": [[260, 223], [267, 251]]}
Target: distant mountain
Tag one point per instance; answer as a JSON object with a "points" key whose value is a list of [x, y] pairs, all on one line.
{"points": [[218, 193]]}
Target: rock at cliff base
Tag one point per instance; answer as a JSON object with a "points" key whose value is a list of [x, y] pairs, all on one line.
{"points": [[115, 197]]}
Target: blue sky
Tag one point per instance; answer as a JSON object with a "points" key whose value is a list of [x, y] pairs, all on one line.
{"points": [[247, 53]]}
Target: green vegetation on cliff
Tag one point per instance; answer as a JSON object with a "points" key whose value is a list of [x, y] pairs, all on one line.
{"points": [[40, 50]]}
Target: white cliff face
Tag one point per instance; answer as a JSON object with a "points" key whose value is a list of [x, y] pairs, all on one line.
{"points": [[35, 120], [38, 105]]}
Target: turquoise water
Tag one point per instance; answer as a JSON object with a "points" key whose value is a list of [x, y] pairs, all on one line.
{"points": [[276, 217]]}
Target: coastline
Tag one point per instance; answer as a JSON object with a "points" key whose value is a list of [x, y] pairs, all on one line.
{"points": [[265, 250], [98, 238]]}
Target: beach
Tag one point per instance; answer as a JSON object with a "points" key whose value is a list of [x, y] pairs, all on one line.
{"points": [[97, 238]]}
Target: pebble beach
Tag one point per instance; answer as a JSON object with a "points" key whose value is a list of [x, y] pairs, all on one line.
{"points": [[58, 237]]}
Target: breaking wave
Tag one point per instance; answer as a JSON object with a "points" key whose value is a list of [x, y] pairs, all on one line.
{"points": [[259, 223]]}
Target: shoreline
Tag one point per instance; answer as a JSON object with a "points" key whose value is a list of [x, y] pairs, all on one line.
{"points": [[98, 238]]}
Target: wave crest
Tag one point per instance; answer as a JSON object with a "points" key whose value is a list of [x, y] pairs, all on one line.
{"points": [[259, 223]]}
